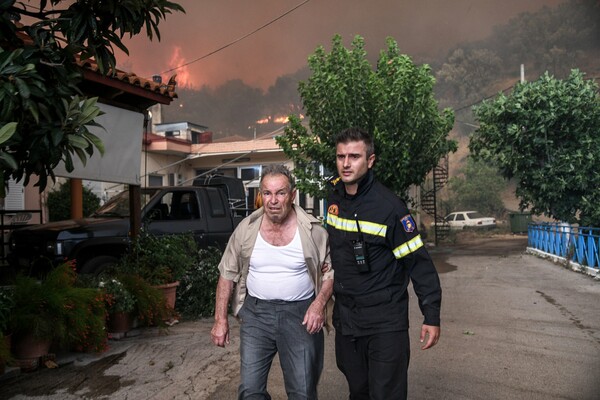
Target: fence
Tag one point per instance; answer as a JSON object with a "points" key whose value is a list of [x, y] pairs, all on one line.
{"points": [[578, 244]]}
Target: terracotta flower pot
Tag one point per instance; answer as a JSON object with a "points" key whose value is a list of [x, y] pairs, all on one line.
{"points": [[169, 290], [119, 322], [29, 346], [28, 349]]}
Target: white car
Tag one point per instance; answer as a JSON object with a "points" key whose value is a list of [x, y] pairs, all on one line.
{"points": [[471, 219]]}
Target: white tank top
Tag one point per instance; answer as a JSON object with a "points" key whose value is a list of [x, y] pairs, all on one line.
{"points": [[279, 272]]}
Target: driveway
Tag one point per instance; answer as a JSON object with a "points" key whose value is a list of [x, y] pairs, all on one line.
{"points": [[513, 327]]}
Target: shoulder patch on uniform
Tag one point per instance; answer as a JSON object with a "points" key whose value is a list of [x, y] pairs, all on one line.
{"points": [[333, 209], [408, 223]]}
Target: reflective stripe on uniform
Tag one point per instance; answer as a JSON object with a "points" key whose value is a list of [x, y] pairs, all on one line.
{"points": [[409, 247], [349, 225]]}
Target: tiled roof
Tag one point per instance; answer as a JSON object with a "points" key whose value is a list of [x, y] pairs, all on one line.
{"points": [[128, 88], [134, 80]]}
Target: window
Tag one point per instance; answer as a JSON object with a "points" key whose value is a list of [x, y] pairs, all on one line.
{"points": [[249, 173], [181, 205], [175, 179], [216, 203], [155, 180]]}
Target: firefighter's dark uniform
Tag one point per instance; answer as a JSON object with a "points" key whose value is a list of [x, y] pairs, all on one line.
{"points": [[371, 308]]}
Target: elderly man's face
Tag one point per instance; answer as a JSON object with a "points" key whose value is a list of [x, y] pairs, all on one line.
{"points": [[277, 197]]}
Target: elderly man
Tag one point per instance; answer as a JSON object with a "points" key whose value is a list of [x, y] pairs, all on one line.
{"points": [[278, 261]]}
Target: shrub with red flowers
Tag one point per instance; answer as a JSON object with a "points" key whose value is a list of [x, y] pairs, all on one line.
{"points": [[151, 306], [55, 308]]}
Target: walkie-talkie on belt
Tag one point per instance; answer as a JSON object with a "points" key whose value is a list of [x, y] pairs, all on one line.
{"points": [[360, 250]]}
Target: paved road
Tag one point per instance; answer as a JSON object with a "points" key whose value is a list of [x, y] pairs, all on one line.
{"points": [[514, 327]]}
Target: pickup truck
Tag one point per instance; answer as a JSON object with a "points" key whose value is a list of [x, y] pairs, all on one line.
{"points": [[100, 240]]}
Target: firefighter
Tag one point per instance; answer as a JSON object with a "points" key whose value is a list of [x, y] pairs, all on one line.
{"points": [[375, 249]]}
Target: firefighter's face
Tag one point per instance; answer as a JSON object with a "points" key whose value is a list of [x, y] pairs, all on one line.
{"points": [[352, 163], [277, 196]]}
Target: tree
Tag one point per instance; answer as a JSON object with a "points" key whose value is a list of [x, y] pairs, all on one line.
{"points": [[478, 188], [545, 135], [59, 202], [468, 72], [395, 103], [44, 118]]}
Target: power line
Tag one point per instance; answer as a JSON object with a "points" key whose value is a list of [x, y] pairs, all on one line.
{"points": [[239, 39], [485, 98]]}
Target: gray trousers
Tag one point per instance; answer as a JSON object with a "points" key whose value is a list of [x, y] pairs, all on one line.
{"points": [[274, 326]]}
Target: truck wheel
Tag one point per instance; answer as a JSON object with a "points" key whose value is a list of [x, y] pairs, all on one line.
{"points": [[98, 264]]}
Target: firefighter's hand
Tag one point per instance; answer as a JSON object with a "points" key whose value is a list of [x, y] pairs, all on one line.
{"points": [[432, 333]]}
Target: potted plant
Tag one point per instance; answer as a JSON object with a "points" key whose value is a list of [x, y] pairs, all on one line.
{"points": [[161, 260], [55, 310], [38, 318], [120, 304], [151, 307]]}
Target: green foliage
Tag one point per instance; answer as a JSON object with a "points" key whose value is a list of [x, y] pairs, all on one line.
{"points": [[39, 94], [479, 188], [197, 292], [160, 259], [39, 309], [118, 298], [545, 136], [57, 309], [86, 320], [59, 203], [151, 307], [395, 103], [7, 303]]}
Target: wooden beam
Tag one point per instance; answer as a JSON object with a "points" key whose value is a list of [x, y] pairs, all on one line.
{"points": [[76, 198], [135, 210]]}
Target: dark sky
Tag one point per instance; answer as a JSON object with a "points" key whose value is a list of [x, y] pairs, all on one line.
{"points": [[423, 29]]}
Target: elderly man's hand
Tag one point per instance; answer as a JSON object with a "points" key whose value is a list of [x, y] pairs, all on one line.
{"points": [[220, 333], [314, 319]]}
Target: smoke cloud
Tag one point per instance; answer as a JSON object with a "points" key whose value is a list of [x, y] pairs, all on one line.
{"points": [[424, 29]]}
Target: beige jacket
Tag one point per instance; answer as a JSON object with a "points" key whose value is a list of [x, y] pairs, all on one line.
{"points": [[236, 258]]}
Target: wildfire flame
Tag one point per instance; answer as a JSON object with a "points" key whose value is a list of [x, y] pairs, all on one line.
{"points": [[183, 74], [276, 120]]}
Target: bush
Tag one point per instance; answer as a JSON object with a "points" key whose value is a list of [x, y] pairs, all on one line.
{"points": [[7, 303], [160, 259], [59, 203], [56, 309], [197, 290], [150, 304], [118, 298]]}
